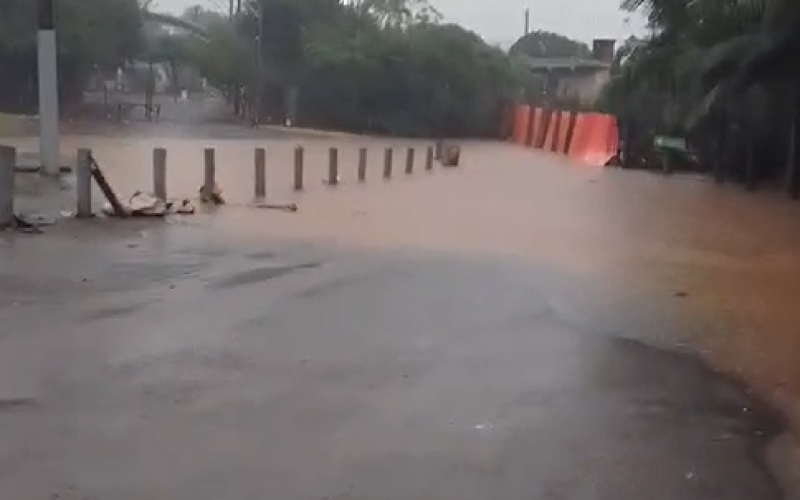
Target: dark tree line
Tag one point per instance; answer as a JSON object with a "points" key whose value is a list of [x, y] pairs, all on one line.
{"points": [[725, 74], [378, 66]]}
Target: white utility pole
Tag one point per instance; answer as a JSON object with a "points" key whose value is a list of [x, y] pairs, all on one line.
{"points": [[48, 89]]}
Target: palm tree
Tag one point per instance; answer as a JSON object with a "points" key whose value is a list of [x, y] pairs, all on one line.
{"points": [[714, 68]]}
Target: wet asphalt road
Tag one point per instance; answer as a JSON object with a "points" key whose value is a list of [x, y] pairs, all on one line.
{"points": [[165, 364]]}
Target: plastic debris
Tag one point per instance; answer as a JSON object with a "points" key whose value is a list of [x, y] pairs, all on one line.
{"points": [[142, 204], [214, 197], [284, 207]]}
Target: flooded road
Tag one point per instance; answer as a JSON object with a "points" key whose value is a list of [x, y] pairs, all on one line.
{"points": [[516, 327]]}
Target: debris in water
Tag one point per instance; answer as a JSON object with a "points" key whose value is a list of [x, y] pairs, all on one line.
{"points": [[142, 204], [214, 196], [283, 207]]}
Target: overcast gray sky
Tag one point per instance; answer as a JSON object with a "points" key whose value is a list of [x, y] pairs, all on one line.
{"points": [[502, 21]]}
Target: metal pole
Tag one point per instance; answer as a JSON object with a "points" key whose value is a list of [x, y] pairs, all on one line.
{"points": [[160, 173], [429, 158], [261, 173], [362, 164], [410, 161], [259, 57], [527, 21], [387, 163], [8, 163], [48, 88], [298, 168], [210, 172], [83, 183], [333, 167]]}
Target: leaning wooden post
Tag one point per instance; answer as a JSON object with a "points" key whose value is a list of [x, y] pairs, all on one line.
{"points": [[83, 183], [362, 164], [410, 161], [160, 173], [210, 172], [8, 164], [387, 163], [333, 166], [429, 158], [298, 168], [260, 165]]}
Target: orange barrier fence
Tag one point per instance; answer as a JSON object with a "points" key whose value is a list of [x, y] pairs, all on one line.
{"points": [[590, 138]]}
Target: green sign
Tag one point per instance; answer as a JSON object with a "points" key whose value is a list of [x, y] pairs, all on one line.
{"points": [[662, 141]]}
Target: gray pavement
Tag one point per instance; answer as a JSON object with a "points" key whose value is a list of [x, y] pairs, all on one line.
{"points": [[178, 362]]}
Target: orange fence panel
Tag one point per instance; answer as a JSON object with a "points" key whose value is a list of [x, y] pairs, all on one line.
{"points": [[561, 132], [543, 125], [550, 134], [595, 139], [521, 123], [536, 126]]}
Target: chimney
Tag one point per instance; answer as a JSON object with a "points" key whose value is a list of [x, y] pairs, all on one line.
{"points": [[603, 49]]}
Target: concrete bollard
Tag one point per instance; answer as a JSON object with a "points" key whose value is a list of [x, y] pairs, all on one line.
{"points": [[160, 173], [333, 167], [362, 164], [387, 163], [429, 158], [210, 172], [438, 151], [83, 183], [260, 165], [410, 161], [298, 168], [8, 164]]}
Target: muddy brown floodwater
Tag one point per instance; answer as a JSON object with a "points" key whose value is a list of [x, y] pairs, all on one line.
{"points": [[724, 264], [729, 261]]}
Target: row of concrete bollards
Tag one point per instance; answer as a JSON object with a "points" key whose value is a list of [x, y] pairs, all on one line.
{"points": [[86, 165], [260, 168]]}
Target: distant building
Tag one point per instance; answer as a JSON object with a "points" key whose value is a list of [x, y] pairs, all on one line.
{"points": [[574, 79]]}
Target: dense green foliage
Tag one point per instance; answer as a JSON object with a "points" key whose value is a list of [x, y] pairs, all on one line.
{"points": [[382, 66], [93, 33], [724, 72]]}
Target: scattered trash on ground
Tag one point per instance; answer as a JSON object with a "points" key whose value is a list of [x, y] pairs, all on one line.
{"points": [[214, 197], [451, 156], [22, 224], [142, 204]]}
